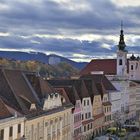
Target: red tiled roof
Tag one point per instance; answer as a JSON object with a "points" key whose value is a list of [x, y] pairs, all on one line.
{"points": [[106, 65]]}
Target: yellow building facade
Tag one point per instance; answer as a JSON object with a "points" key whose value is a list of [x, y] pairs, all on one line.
{"points": [[56, 125]]}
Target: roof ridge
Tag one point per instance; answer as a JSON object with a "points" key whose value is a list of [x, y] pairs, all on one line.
{"points": [[18, 100], [30, 87]]}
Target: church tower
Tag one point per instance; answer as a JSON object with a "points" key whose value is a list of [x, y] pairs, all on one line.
{"points": [[121, 55]]}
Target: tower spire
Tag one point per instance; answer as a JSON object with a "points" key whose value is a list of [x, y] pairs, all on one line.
{"points": [[121, 45]]}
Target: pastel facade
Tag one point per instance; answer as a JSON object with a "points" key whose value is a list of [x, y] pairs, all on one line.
{"points": [[98, 115], [107, 109], [99, 88], [87, 118], [77, 121], [70, 94]]}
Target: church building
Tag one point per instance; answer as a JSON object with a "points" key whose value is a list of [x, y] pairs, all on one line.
{"points": [[122, 66], [121, 71]]}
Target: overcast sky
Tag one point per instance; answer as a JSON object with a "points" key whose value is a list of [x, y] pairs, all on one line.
{"points": [[77, 29]]}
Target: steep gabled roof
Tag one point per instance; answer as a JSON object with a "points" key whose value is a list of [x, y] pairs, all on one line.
{"points": [[21, 88], [42, 87], [17, 92], [91, 87], [81, 88], [78, 86], [100, 78], [72, 94], [6, 93]]}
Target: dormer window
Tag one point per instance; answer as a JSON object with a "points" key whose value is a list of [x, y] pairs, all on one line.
{"points": [[120, 62], [33, 106]]}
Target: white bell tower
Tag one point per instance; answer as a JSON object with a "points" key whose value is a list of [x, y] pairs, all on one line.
{"points": [[121, 55]]}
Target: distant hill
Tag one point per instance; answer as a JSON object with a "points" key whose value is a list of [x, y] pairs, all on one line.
{"points": [[61, 70], [41, 57]]}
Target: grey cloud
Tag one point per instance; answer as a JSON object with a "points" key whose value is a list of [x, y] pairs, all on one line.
{"points": [[48, 17]]}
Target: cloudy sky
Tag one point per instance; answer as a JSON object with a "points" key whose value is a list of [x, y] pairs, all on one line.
{"points": [[77, 29]]}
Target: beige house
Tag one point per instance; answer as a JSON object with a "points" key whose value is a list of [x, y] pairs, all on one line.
{"points": [[55, 125]]}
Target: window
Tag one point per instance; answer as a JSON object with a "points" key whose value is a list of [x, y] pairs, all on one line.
{"points": [[86, 116], [82, 116], [84, 128], [91, 125], [19, 128], [120, 62], [105, 109], [131, 67], [89, 115], [2, 134], [87, 102], [84, 102], [11, 132], [88, 127], [105, 118]]}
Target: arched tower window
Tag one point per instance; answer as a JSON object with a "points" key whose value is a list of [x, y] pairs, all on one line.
{"points": [[131, 67], [120, 62]]}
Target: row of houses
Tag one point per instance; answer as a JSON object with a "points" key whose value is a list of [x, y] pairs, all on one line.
{"points": [[106, 93], [36, 109], [31, 109]]}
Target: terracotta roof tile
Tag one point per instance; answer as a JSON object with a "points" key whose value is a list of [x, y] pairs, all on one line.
{"points": [[106, 65]]}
